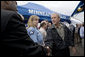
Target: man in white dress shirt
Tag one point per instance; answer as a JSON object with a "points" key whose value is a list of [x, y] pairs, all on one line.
{"points": [[43, 27]]}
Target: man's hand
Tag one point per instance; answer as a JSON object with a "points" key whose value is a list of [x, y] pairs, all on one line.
{"points": [[48, 50], [74, 50]]}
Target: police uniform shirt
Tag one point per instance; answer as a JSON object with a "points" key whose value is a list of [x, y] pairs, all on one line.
{"points": [[35, 35]]}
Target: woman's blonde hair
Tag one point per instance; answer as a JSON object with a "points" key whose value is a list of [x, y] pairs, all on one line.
{"points": [[30, 21]]}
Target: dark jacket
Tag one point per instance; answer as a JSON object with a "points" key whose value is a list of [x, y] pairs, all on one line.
{"points": [[55, 42], [14, 40]]}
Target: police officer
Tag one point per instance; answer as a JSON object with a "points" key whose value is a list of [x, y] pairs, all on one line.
{"points": [[33, 31]]}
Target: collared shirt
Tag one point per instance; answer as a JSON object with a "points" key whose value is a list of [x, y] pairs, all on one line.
{"points": [[55, 41], [43, 31], [60, 31], [35, 35]]}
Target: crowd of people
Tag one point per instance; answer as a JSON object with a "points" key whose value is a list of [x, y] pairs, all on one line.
{"points": [[77, 32], [49, 39]]}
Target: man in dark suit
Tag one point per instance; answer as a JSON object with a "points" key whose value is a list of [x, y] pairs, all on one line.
{"points": [[59, 38], [14, 40]]}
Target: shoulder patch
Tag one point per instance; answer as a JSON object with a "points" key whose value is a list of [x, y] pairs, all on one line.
{"points": [[31, 32]]}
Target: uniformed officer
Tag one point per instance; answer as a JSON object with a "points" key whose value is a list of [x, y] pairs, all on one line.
{"points": [[33, 31], [35, 35]]}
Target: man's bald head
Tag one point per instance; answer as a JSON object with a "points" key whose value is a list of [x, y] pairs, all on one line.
{"points": [[9, 5]]}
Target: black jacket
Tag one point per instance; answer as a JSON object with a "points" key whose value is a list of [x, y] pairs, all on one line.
{"points": [[55, 42], [14, 40]]}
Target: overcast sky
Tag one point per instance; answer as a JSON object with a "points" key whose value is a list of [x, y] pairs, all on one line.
{"points": [[63, 7]]}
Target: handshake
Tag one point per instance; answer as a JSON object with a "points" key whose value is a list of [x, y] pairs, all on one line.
{"points": [[48, 50]]}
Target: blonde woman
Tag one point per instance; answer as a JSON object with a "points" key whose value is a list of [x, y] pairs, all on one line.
{"points": [[33, 31]]}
